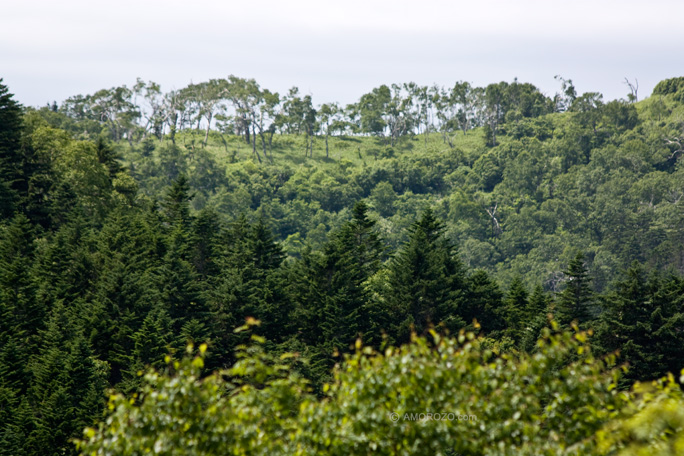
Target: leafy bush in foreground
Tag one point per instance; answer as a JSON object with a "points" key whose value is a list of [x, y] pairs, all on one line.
{"points": [[560, 400]]}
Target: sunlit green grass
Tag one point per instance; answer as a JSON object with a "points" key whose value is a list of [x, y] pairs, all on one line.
{"points": [[291, 150]]}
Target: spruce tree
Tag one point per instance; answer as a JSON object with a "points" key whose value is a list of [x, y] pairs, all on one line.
{"points": [[130, 249], [536, 318], [21, 315], [483, 302], [205, 240], [574, 302], [352, 256], [250, 283], [151, 343], [181, 290], [12, 179], [66, 393], [107, 156], [643, 320], [176, 203], [426, 281], [179, 280], [515, 309], [538, 303], [15, 432], [626, 324], [267, 282], [332, 300]]}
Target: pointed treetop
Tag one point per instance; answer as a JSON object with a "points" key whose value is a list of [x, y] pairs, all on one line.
{"points": [[429, 225]]}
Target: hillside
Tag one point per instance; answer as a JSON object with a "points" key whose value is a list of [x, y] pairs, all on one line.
{"points": [[602, 178], [129, 231]]}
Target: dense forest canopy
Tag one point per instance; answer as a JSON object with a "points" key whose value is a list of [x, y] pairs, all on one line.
{"points": [[136, 221], [521, 180]]}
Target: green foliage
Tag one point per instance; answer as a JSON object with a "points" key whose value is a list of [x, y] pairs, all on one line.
{"points": [[653, 424], [669, 86], [425, 282], [574, 302], [119, 244], [183, 414], [483, 302], [10, 160], [508, 404], [515, 309], [641, 318]]}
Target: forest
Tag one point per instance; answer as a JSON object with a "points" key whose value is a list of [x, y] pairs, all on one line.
{"points": [[223, 269]]}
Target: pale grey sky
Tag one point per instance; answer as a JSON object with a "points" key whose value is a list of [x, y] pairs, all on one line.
{"points": [[50, 50]]}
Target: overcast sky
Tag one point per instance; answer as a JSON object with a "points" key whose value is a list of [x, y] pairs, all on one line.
{"points": [[50, 50]]}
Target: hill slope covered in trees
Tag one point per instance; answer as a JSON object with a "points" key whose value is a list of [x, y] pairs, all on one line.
{"points": [[134, 225]]}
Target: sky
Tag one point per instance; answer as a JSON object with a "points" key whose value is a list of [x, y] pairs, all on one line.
{"points": [[337, 51]]}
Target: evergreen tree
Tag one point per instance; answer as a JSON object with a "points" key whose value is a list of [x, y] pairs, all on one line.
{"points": [[538, 303], [107, 156], [66, 394], [181, 290], [483, 302], [21, 315], [515, 309], [179, 281], [151, 343], [536, 318], [352, 256], [627, 324], [65, 267], [15, 432], [306, 286], [205, 239], [643, 320], [130, 250], [268, 282], [426, 281], [250, 284], [668, 319], [176, 203], [11, 176], [574, 302]]}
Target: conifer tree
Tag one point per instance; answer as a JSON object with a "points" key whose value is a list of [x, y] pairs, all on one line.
{"points": [[267, 282], [21, 315], [250, 284], [176, 203], [536, 318], [153, 341], [130, 250], [65, 268], [205, 239], [483, 302], [626, 323], [426, 281], [574, 302], [179, 282], [307, 287], [352, 256], [66, 393], [108, 157], [515, 308], [643, 320], [14, 434], [11, 176], [538, 302]]}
